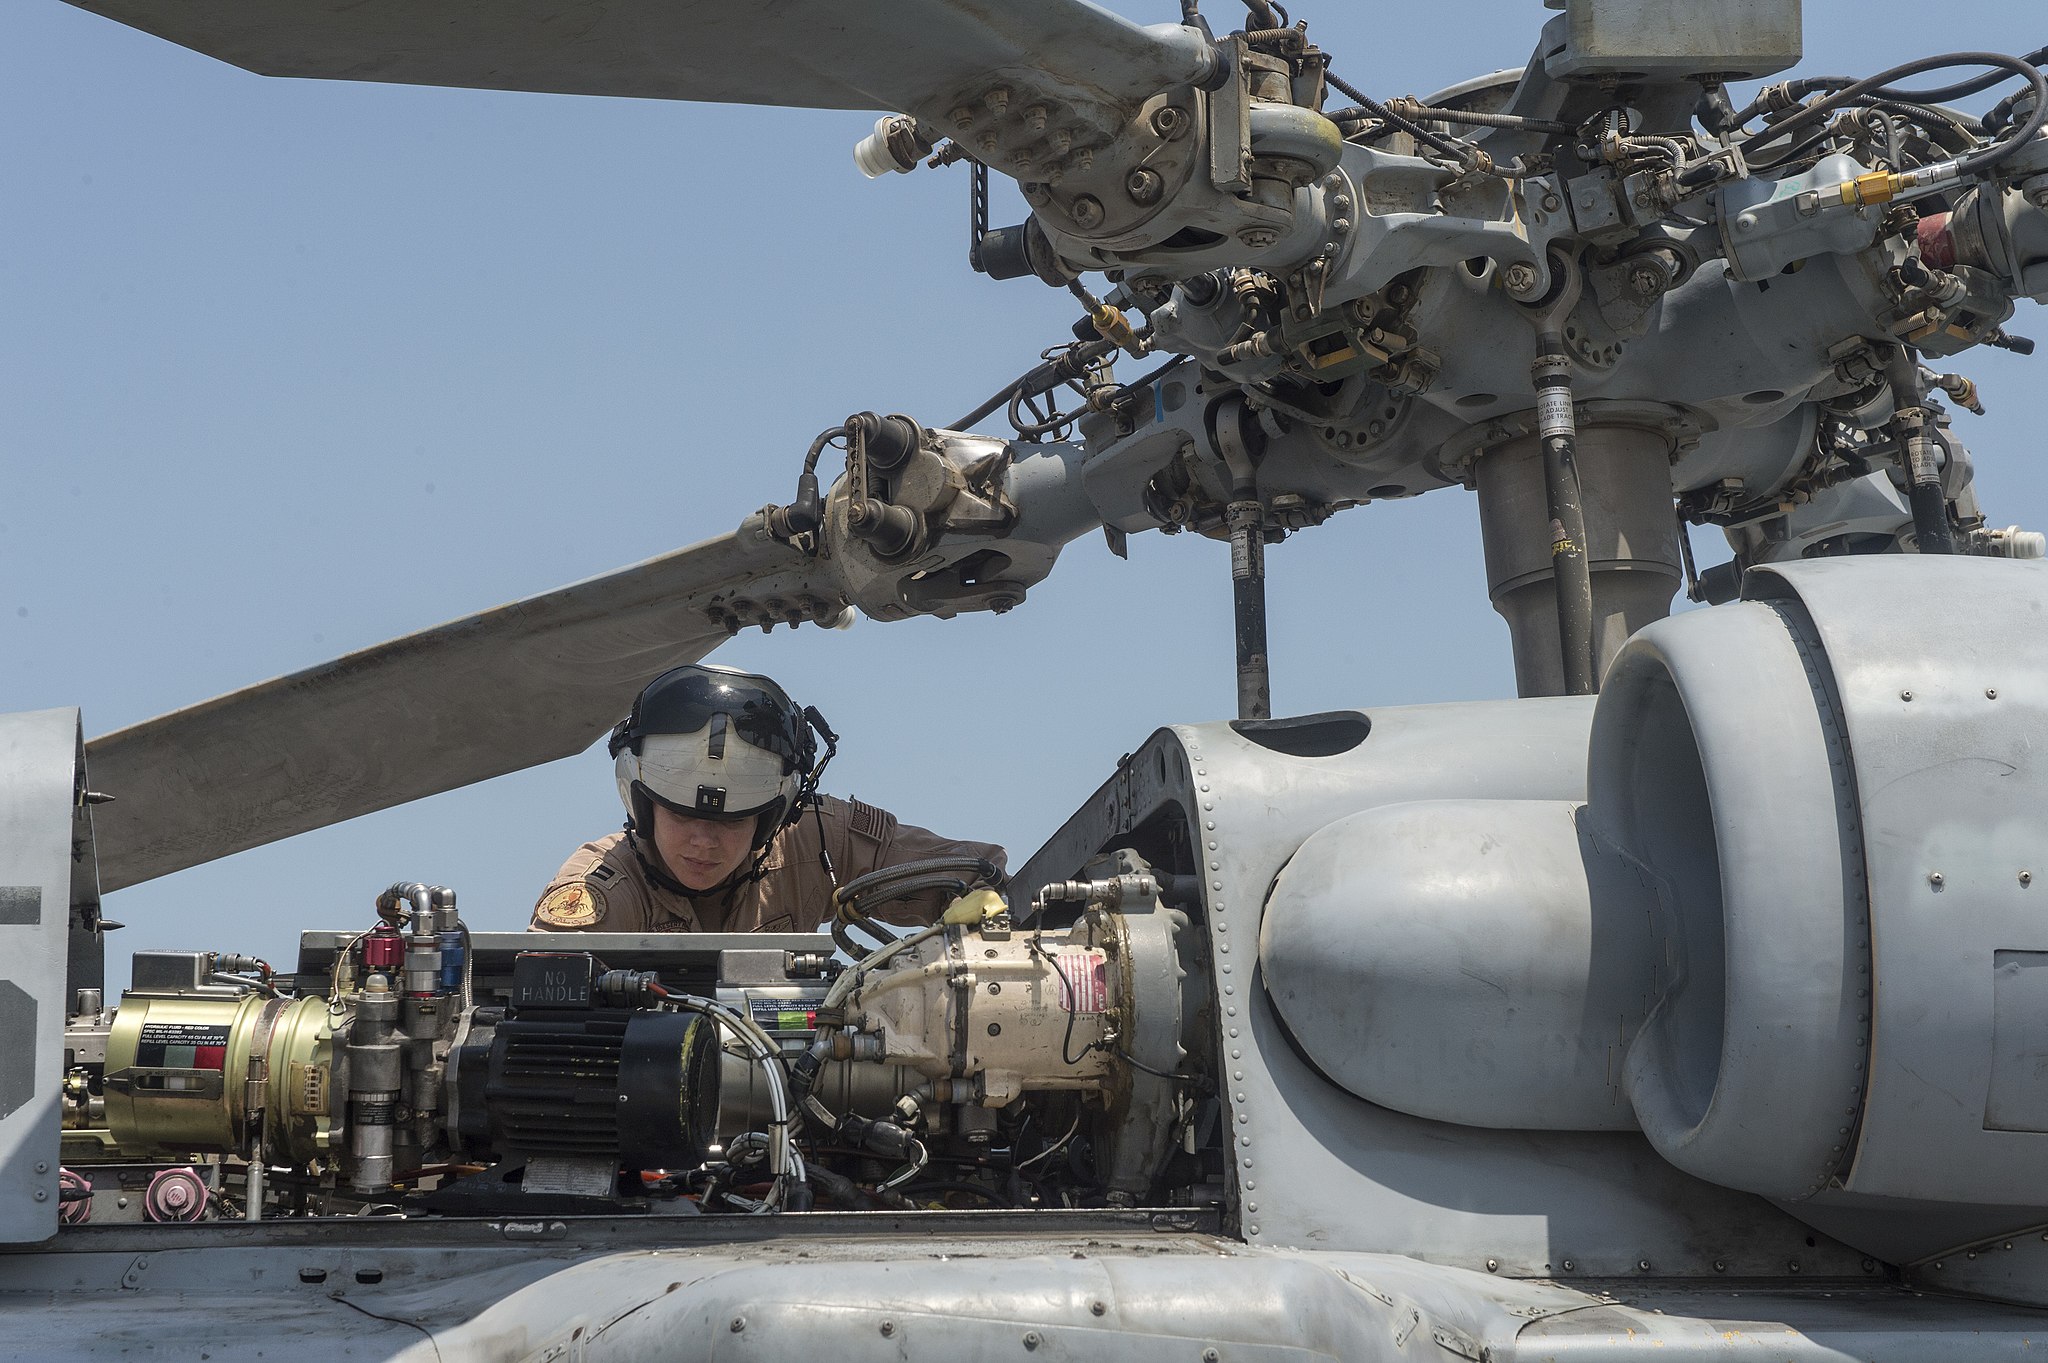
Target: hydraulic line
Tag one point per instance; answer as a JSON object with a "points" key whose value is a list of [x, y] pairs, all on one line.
{"points": [[1877, 87], [1923, 488], [1572, 574]]}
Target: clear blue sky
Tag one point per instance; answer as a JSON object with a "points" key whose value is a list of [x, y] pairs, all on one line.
{"points": [[288, 368]]}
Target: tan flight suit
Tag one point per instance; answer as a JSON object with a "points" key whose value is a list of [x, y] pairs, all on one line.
{"points": [[604, 887]]}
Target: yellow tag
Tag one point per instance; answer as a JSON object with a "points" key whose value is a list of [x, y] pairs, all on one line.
{"points": [[576, 905]]}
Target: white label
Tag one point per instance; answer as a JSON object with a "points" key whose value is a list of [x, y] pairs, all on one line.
{"points": [[1554, 413]]}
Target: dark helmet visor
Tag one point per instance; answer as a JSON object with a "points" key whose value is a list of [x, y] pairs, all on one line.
{"points": [[685, 699]]}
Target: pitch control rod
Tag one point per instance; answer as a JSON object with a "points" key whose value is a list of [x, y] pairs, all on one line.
{"points": [[1237, 436]]}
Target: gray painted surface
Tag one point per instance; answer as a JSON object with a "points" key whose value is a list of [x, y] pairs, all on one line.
{"points": [[960, 1293], [1316, 1166], [894, 57], [491, 693], [39, 753], [1941, 666], [1712, 764], [1448, 959]]}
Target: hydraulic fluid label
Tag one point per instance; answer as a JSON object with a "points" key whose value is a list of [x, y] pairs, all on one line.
{"points": [[785, 1015], [1084, 979], [182, 1046]]}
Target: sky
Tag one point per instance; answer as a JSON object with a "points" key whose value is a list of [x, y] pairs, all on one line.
{"points": [[288, 368]]}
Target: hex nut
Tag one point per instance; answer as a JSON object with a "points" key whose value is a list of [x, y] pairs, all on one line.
{"points": [[1086, 211], [1144, 186], [1170, 121]]}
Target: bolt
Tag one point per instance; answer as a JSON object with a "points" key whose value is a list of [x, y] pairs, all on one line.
{"points": [[1144, 186], [1905, 695], [993, 987], [1169, 121], [2027, 878], [2040, 197], [997, 99], [1341, 226], [42, 1166], [739, 1323], [987, 144], [1793, 1266], [1870, 1265], [42, 1194], [1519, 279], [1643, 1265], [888, 1328], [1493, 1265], [1034, 118], [1086, 211], [1210, 1356], [1720, 1265], [1646, 281], [995, 1029], [963, 118], [1097, 1308], [1936, 879], [1258, 238], [1032, 1339], [1036, 193]]}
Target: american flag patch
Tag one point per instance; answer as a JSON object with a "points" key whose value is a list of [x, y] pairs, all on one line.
{"points": [[1084, 979], [867, 821]]}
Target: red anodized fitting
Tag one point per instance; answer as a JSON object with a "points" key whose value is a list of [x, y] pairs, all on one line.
{"points": [[384, 948]]}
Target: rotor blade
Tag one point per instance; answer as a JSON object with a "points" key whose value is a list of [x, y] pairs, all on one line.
{"points": [[908, 56], [491, 693]]}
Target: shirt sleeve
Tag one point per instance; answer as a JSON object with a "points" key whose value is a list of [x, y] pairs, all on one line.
{"points": [[574, 901], [873, 839]]}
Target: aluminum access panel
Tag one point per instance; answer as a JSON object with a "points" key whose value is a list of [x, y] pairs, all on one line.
{"points": [[41, 755]]}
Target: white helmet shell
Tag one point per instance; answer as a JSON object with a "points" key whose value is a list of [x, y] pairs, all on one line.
{"points": [[713, 742], [697, 773]]}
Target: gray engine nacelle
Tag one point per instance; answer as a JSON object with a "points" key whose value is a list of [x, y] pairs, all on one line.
{"points": [[1794, 936]]}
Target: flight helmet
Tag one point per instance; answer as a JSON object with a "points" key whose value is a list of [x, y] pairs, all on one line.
{"points": [[715, 743]]}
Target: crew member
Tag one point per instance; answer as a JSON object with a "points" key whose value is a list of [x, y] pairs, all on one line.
{"points": [[725, 828]]}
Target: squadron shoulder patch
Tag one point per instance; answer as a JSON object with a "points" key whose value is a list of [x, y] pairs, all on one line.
{"points": [[575, 905]]}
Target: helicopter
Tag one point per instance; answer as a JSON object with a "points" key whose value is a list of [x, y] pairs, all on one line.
{"points": [[1448, 1336]]}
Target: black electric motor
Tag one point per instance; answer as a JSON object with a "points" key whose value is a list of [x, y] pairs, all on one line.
{"points": [[561, 1072]]}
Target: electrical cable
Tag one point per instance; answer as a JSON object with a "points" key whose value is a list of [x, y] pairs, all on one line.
{"points": [[1055, 1147], [1463, 152], [1877, 87]]}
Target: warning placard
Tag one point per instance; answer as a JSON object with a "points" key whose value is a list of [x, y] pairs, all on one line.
{"points": [[182, 1046], [1084, 979]]}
